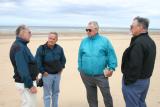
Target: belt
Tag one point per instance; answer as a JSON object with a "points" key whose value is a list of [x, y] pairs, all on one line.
{"points": [[92, 75]]}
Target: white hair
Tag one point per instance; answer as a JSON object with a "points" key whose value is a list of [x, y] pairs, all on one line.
{"points": [[94, 23]]}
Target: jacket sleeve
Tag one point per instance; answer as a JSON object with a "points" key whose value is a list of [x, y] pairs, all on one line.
{"points": [[135, 63], [39, 59], [22, 68], [63, 58], [111, 56], [80, 57]]}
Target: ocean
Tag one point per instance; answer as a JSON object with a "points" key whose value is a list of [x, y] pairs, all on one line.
{"points": [[63, 29]]}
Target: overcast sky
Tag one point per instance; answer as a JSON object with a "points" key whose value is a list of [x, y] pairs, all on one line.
{"points": [[111, 13]]}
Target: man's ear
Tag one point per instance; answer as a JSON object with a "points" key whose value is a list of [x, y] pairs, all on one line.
{"points": [[21, 33], [141, 27]]}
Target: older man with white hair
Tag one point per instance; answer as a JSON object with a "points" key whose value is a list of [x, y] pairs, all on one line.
{"points": [[96, 62]]}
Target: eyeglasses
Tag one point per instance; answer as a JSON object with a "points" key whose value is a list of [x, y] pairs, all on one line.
{"points": [[88, 30]]}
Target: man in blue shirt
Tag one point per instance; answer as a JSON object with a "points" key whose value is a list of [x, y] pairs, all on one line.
{"points": [[96, 62], [51, 61]]}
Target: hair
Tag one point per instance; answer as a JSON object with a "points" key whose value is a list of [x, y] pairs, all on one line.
{"points": [[55, 33], [142, 21], [94, 23], [20, 29]]}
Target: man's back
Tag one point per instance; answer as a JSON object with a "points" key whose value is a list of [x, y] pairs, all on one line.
{"points": [[16, 47], [149, 55]]}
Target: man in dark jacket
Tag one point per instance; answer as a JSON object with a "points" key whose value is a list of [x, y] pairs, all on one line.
{"points": [[51, 61], [23, 62], [137, 64]]}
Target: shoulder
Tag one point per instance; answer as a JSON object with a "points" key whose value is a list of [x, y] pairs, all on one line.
{"points": [[146, 42], [17, 46], [138, 44], [59, 47], [104, 39], [41, 48], [142, 40], [85, 40]]}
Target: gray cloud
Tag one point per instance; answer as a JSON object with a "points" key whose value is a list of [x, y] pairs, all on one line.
{"points": [[61, 12]]}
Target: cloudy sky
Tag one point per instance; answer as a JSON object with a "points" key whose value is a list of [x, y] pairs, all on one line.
{"points": [[110, 13]]}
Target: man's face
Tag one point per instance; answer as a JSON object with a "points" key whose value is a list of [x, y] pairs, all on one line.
{"points": [[52, 39], [91, 30], [26, 35], [135, 28]]}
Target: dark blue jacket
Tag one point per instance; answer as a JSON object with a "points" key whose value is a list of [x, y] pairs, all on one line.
{"points": [[51, 60], [21, 59]]}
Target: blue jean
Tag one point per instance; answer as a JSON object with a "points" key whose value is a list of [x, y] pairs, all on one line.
{"points": [[135, 94], [51, 90]]}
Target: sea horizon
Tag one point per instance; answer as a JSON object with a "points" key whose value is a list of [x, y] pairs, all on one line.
{"points": [[43, 30]]}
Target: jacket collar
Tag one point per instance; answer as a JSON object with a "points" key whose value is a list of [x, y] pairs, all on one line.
{"points": [[135, 37], [22, 40], [94, 37], [46, 46]]}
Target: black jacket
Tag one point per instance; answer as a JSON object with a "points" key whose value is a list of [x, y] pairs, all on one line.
{"points": [[51, 60], [138, 59]]}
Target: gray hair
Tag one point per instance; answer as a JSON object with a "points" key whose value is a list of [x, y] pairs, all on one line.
{"points": [[143, 21], [94, 23], [20, 29], [55, 33]]}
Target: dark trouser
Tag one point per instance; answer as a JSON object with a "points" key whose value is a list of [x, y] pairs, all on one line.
{"points": [[135, 94], [91, 83]]}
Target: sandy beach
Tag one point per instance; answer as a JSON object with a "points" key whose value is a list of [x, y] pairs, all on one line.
{"points": [[72, 90]]}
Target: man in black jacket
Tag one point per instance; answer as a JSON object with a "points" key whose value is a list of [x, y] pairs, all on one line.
{"points": [[137, 64], [51, 61]]}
